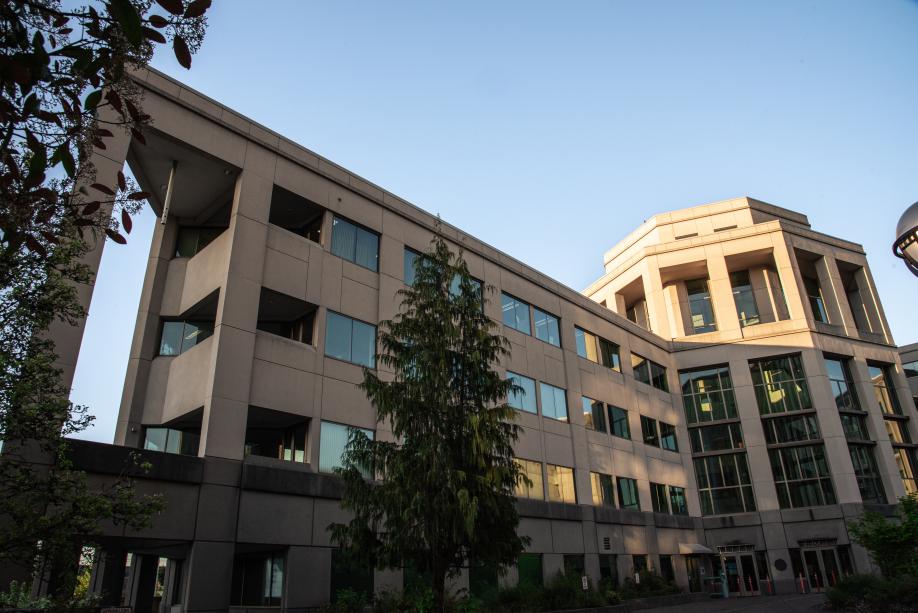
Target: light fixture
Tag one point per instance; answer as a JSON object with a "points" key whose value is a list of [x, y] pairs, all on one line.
{"points": [[906, 245]]}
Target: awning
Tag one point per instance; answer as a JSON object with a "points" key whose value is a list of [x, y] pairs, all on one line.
{"points": [[693, 548]]}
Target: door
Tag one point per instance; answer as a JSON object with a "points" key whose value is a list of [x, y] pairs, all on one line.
{"points": [[830, 567], [749, 576], [731, 570], [814, 570]]}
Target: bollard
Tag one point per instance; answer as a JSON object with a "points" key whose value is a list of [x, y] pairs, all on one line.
{"points": [[802, 587], [723, 584]]}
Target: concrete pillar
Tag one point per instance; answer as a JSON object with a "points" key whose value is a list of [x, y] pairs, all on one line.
{"points": [[763, 483], [721, 291], [108, 574], [791, 280], [677, 311], [656, 300], [833, 295], [776, 297], [872, 308], [143, 581], [210, 575], [307, 577], [761, 293]]}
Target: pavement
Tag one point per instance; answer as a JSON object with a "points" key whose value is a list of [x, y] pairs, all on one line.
{"points": [[789, 603]]}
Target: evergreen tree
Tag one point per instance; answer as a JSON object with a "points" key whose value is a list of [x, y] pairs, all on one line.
{"points": [[445, 494]]}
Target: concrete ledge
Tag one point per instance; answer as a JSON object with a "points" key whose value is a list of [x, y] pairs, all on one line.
{"points": [[280, 480], [107, 459]]}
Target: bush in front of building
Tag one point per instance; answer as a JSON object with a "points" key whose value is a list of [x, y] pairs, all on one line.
{"points": [[650, 584], [874, 594]]}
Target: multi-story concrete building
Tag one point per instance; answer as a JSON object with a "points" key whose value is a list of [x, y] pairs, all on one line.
{"points": [[726, 395]]}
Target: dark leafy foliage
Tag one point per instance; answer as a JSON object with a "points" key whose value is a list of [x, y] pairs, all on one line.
{"points": [[893, 545], [447, 479], [870, 593]]}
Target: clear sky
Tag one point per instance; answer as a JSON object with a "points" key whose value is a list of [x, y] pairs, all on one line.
{"points": [[551, 130]]}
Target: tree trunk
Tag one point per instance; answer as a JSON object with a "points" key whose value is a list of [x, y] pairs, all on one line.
{"points": [[438, 572]]}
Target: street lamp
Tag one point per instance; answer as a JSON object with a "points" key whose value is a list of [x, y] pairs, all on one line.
{"points": [[906, 245]]}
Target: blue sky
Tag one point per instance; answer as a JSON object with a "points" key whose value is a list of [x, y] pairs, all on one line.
{"points": [[551, 130]]}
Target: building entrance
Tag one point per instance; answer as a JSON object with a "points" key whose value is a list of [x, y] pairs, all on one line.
{"points": [[819, 564], [746, 570]]}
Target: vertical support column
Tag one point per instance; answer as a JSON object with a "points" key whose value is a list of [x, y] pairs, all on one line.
{"points": [[790, 279], [108, 574], [655, 299], [833, 295], [873, 308], [721, 291], [763, 481], [762, 294], [143, 575], [210, 575], [677, 311]]}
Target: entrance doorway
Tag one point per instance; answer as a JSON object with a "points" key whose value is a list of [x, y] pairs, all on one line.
{"points": [[817, 568], [746, 570]]}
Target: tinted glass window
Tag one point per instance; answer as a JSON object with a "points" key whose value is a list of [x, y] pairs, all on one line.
{"points": [[554, 402], [355, 243], [350, 340], [523, 399], [515, 313], [333, 441], [649, 431], [546, 327], [618, 418]]}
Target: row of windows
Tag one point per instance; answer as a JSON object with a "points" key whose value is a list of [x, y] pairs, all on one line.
{"points": [[664, 436], [523, 397], [516, 315], [559, 481], [594, 417]]}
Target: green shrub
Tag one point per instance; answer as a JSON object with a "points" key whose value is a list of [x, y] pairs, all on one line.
{"points": [[650, 584], [873, 593], [348, 601]]}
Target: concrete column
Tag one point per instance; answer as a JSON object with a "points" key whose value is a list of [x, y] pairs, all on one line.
{"points": [[790, 279], [763, 482], [833, 295], [761, 293], [108, 574], [143, 581], [210, 575], [655, 299], [872, 304], [677, 311], [721, 291], [307, 577], [226, 404]]}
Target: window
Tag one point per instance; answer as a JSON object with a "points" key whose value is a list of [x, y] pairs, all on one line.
{"points": [[524, 398], [906, 461], [602, 488], [608, 568], [780, 384], [334, 439], [355, 243], [533, 470], [658, 498], [628, 494], [594, 417], [350, 340], [171, 440], [841, 384], [561, 484], [258, 580], [410, 270], [814, 296], [516, 313], [668, 437], [649, 372], [667, 572], [618, 419], [597, 349], [700, 306], [554, 402], [883, 388], [192, 240], [855, 427], [790, 429], [724, 484], [276, 434], [720, 437], [286, 316], [746, 310], [802, 476], [296, 214], [707, 394], [546, 327], [868, 476], [910, 369], [649, 431], [677, 500], [180, 336], [898, 431]]}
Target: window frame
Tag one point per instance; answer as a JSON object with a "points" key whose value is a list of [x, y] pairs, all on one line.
{"points": [[517, 302], [596, 407], [565, 475], [329, 314], [554, 341], [613, 420], [652, 439], [359, 230], [554, 389], [524, 394]]}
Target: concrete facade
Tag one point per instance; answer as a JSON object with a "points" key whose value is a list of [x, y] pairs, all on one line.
{"points": [[262, 277]]}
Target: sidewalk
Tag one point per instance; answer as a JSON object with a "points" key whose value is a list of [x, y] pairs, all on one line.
{"points": [[788, 603]]}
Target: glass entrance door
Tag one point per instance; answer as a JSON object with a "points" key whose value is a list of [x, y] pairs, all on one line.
{"points": [[822, 568], [742, 573]]}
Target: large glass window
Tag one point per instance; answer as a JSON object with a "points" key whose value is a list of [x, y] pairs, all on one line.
{"points": [[561, 484], [180, 336], [802, 476], [910, 368], [668, 437], [350, 340], [907, 461], [700, 306], [677, 500], [814, 296], [628, 494], [724, 484], [355, 243], [546, 327], [868, 476], [533, 470], [746, 309], [171, 440], [554, 402], [193, 239], [842, 386], [898, 431], [649, 372], [719, 437], [658, 498], [855, 427], [649, 431], [883, 389], [780, 384], [594, 417], [333, 441], [603, 490], [524, 398], [515, 313], [258, 580], [707, 394], [790, 429], [618, 421], [597, 349]]}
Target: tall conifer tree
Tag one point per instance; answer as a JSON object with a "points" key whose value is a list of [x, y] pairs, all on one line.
{"points": [[443, 493]]}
